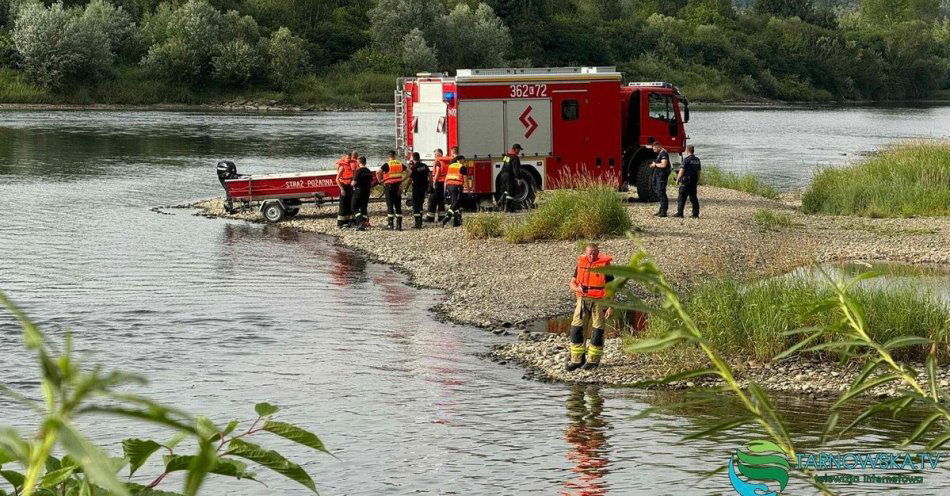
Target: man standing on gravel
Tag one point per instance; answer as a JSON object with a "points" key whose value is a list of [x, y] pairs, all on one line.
{"points": [[511, 164], [363, 182], [344, 180], [392, 174], [437, 193], [419, 176], [454, 181], [688, 179], [661, 176], [591, 290]]}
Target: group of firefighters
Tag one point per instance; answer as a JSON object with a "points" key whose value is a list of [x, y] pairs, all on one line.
{"points": [[442, 185]]}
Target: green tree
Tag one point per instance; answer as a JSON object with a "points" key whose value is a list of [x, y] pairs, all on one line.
{"points": [[888, 12], [237, 63], [59, 46], [287, 57], [472, 38], [392, 19], [417, 55]]}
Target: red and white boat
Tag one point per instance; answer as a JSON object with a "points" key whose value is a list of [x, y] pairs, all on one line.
{"points": [[279, 196]]}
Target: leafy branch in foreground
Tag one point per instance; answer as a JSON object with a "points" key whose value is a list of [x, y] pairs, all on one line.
{"points": [[70, 391], [754, 401], [848, 335]]}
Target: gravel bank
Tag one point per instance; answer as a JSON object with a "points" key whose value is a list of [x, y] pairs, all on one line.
{"points": [[491, 283], [545, 355]]}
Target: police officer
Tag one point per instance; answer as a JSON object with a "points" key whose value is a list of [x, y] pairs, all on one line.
{"points": [[437, 193], [363, 182], [454, 180], [661, 176], [688, 178], [344, 180], [591, 290], [509, 175], [391, 175], [420, 177]]}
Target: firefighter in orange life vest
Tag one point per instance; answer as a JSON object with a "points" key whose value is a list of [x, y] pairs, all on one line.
{"points": [[591, 290], [454, 181], [437, 193], [392, 174], [344, 180]]}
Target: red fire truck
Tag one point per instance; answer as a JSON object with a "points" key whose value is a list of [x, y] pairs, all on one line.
{"points": [[570, 121]]}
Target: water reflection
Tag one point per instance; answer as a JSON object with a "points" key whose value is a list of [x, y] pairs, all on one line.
{"points": [[588, 444]]}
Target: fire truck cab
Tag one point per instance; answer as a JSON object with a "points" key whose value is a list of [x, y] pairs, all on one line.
{"points": [[572, 123]]}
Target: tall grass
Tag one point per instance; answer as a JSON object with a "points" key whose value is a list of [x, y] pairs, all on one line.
{"points": [[747, 182], [591, 212], [907, 180], [484, 225], [15, 89], [770, 220], [751, 320]]}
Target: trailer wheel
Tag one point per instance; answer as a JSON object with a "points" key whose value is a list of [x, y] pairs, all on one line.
{"points": [[645, 189], [273, 211]]}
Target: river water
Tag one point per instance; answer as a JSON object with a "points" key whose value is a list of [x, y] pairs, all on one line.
{"points": [[222, 314]]}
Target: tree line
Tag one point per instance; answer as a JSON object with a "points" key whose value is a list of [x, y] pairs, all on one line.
{"points": [[715, 50]]}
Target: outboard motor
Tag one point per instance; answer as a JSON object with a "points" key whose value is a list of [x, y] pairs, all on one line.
{"points": [[226, 170]]}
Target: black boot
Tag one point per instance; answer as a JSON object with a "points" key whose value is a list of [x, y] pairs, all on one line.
{"points": [[457, 220], [399, 223], [389, 223], [418, 224], [445, 220]]}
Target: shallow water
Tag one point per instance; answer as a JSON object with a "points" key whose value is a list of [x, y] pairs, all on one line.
{"points": [[221, 314]]}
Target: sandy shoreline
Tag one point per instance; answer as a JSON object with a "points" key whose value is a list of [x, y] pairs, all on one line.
{"points": [[491, 283]]}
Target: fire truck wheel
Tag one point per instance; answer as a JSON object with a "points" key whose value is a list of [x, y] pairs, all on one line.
{"points": [[274, 211], [527, 190], [645, 188]]}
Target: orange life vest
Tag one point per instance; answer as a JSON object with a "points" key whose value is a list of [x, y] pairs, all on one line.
{"points": [[394, 172], [591, 284], [344, 171], [453, 174], [443, 163]]}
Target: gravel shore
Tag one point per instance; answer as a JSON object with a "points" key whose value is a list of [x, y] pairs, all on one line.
{"points": [[492, 284]]}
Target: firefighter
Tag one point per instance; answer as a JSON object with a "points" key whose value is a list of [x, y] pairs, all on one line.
{"points": [[591, 290], [391, 175], [688, 178], [344, 180], [661, 176], [437, 193], [363, 182], [509, 176], [420, 177], [454, 179]]}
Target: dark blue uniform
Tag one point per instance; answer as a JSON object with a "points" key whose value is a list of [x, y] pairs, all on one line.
{"points": [[691, 168], [660, 178]]}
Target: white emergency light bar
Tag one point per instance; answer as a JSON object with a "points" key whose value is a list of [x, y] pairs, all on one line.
{"points": [[535, 71], [653, 84]]}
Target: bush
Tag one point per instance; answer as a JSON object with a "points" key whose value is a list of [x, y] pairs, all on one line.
{"points": [[236, 64], [752, 319], [747, 182], [587, 213], [904, 181], [484, 225], [417, 55], [287, 57], [60, 46], [183, 41]]}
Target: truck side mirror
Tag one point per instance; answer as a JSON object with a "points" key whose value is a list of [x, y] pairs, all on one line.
{"points": [[685, 112]]}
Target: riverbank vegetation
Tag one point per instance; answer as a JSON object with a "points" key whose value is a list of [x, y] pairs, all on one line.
{"points": [[71, 390], [757, 320], [748, 182], [591, 211], [846, 332], [346, 53], [908, 180]]}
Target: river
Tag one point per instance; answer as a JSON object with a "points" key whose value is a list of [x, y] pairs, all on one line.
{"points": [[222, 314]]}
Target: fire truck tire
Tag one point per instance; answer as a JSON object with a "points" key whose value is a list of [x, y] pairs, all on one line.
{"points": [[273, 211], [645, 189], [527, 190]]}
